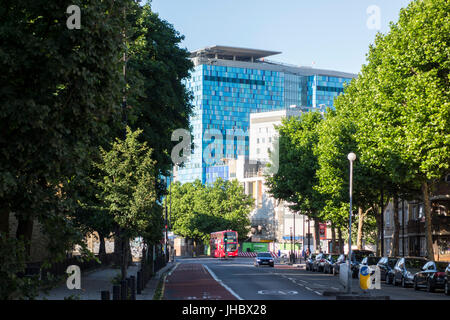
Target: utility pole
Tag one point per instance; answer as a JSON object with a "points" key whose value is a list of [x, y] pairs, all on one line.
{"points": [[382, 224], [303, 234], [351, 157], [165, 225], [403, 227], [290, 251], [309, 234], [293, 257]]}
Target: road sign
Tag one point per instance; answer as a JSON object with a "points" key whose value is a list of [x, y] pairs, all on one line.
{"points": [[369, 277]]}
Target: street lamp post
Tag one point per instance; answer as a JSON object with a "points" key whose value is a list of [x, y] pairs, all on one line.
{"points": [[351, 157], [293, 253], [309, 234]]}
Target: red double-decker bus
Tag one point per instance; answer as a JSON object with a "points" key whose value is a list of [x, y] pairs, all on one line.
{"points": [[224, 244]]}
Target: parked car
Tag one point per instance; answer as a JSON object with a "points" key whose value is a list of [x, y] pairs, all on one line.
{"points": [[337, 265], [318, 262], [386, 265], [370, 261], [330, 260], [309, 261], [406, 268], [357, 257], [432, 276], [264, 258], [447, 281]]}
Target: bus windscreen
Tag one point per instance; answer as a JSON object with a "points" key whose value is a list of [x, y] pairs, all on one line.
{"points": [[231, 236]]}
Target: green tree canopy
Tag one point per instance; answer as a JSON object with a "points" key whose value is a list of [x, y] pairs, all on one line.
{"points": [[197, 210]]}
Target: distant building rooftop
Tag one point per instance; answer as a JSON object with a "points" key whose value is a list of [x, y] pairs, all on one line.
{"points": [[255, 58], [232, 53]]}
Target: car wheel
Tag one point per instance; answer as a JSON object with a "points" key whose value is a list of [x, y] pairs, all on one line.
{"points": [[430, 287], [403, 283], [446, 288], [416, 287]]}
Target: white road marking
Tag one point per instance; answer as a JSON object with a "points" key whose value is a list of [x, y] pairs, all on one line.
{"points": [[170, 272], [223, 284], [279, 291]]}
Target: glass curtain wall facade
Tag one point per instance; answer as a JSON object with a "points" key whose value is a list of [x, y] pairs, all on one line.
{"points": [[224, 97]]}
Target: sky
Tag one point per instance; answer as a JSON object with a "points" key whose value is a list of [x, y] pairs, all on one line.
{"points": [[324, 34]]}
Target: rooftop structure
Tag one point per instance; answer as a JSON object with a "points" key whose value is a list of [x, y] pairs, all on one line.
{"points": [[230, 83]]}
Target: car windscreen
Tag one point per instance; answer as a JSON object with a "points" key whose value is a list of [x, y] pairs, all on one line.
{"points": [[392, 262], [441, 266], [335, 257], [264, 255], [414, 263], [358, 256], [373, 260], [231, 247]]}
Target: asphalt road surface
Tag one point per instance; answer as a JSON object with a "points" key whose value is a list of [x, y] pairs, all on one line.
{"points": [[283, 282]]}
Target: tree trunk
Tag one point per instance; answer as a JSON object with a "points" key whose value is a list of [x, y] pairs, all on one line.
{"points": [[341, 242], [128, 252], [360, 228], [102, 246], [396, 242], [124, 260], [333, 240], [4, 222], [117, 247], [317, 234], [428, 220], [378, 222], [381, 226], [25, 231]]}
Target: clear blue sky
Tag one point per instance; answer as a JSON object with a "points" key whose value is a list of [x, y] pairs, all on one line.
{"points": [[331, 33]]}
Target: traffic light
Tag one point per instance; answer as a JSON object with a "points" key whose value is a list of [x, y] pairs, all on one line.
{"points": [[225, 239]]}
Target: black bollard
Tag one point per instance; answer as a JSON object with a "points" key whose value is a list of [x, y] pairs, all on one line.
{"points": [[139, 282], [129, 288], [123, 290], [105, 295], [116, 292], [133, 287]]}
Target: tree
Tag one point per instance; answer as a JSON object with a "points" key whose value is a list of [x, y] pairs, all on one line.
{"points": [[296, 177], [59, 89], [128, 189], [198, 210], [158, 100], [403, 100]]}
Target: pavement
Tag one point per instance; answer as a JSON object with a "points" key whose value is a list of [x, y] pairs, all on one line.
{"points": [[93, 282]]}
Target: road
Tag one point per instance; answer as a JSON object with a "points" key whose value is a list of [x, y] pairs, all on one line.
{"points": [[284, 282]]}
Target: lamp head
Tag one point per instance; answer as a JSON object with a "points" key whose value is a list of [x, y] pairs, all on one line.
{"points": [[351, 156]]}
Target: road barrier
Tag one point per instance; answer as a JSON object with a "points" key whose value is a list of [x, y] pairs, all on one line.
{"points": [[253, 254]]}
